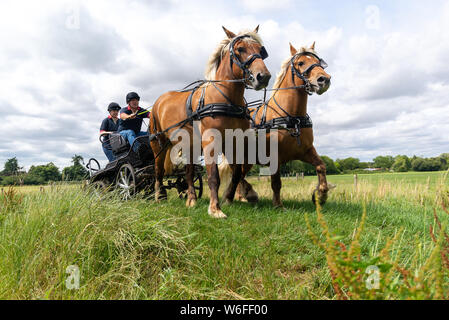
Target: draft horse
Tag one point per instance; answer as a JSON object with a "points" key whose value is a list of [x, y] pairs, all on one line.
{"points": [[301, 75], [217, 102]]}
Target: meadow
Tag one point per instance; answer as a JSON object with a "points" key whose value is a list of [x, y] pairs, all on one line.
{"points": [[141, 249]]}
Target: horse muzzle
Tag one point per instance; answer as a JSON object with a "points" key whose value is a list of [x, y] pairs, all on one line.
{"points": [[260, 81], [322, 85]]}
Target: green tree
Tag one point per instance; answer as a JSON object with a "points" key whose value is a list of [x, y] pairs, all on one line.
{"points": [[401, 164], [348, 163], [384, 162], [426, 164], [43, 173], [76, 172], [331, 168], [11, 167], [417, 163], [444, 159]]}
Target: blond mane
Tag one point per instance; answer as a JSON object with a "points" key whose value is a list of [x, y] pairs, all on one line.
{"points": [[220, 50], [285, 67]]}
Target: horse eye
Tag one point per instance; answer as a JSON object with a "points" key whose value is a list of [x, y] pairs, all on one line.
{"points": [[241, 50], [301, 63]]}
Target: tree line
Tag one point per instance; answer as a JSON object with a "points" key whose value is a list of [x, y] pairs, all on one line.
{"points": [[13, 174], [400, 163]]}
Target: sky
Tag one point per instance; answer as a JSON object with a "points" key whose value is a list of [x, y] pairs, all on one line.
{"points": [[63, 62]]}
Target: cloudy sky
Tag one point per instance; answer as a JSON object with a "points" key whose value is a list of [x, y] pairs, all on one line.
{"points": [[63, 62]]}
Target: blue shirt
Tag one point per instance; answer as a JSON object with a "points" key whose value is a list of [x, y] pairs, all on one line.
{"points": [[133, 124]]}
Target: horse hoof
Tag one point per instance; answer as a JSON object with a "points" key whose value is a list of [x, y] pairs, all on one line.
{"points": [[278, 206], [217, 214], [241, 199], [321, 198], [226, 203], [252, 199], [252, 196], [190, 203]]}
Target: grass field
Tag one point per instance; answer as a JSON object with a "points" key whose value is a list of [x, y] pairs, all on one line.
{"points": [[145, 250]]}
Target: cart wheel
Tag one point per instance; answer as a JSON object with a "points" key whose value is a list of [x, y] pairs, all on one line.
{"points": [[93, 166], [181, 185], [126, 181]]}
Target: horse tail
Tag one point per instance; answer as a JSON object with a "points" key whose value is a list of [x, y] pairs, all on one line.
{"points": [[225, 172]]}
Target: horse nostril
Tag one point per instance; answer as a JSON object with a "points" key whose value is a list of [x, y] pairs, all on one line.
{"points": [[263, 78], [323, 80]]}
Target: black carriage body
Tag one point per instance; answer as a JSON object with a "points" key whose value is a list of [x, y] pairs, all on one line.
{"points": [[139, 162], [141, 159]]}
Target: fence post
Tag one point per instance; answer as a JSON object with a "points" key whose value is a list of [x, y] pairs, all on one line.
{"points": [[355, 181], [302, 175]]}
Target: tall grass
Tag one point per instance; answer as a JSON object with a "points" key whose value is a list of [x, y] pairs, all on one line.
{"points": [[120, 248], [140, 249]]}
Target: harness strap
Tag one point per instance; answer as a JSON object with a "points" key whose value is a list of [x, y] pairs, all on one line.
{"points": [[221, 110], [189, 109], [289, 122]]}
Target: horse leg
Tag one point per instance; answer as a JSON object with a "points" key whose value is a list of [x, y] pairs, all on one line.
{"points": [[276, 185], [312, 157], [159, 168], [245, 191], [236, 175], [213, 180], [191, 194]]}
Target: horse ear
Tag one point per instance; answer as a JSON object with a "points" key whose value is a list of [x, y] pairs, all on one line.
{"points": [[230, 34], [257, 29], [313, 46], [292, 49]]}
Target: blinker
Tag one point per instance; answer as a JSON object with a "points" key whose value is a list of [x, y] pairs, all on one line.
{"points": [[323, 64], [263, 53]]}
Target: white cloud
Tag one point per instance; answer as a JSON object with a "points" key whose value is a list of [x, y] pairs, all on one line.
{"points": [[388, 94], [258, 5]]}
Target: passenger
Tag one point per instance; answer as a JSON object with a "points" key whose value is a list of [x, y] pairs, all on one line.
{"points": [[131, 118], [109, 125]]}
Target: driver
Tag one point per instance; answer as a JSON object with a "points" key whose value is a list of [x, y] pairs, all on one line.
{"points": [[131, 118], [109, 125]]}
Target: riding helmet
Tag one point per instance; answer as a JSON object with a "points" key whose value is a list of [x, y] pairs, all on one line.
{"points": [[113, 106], [132, 95]]}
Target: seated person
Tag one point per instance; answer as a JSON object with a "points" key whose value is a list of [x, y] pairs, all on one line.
{"points": [[109, 125], [131, 118]]}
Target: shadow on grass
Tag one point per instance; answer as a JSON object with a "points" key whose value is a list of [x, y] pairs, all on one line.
{"points": [[297, 206]]}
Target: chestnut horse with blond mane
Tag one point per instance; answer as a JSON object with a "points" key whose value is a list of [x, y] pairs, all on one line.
{"points": [[301, 75], [237, 62]]}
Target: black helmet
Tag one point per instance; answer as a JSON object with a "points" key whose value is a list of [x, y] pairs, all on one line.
{"points": [[132, 95], [113, 106]]}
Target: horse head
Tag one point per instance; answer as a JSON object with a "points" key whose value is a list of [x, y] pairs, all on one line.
{"points": [[309, 67], [246, 56]]}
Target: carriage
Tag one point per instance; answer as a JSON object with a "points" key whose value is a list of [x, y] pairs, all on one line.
{"points": [[132, 172]]}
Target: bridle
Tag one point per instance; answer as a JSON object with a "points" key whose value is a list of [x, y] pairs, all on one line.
{"points": [[302, 75], [247, 75]]}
